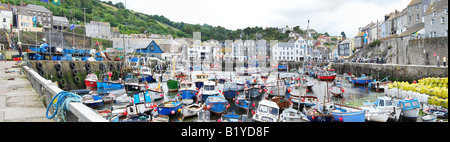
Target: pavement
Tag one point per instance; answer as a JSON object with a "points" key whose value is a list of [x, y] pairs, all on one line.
{"points": [[19, 102]]}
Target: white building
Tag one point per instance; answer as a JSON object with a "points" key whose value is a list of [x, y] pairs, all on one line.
{"points": [[6, 19]]}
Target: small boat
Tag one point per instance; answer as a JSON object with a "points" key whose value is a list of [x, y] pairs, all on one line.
{"points": [[410, 108], [169, 107], [267, 111], [147, 75], [122, 101], [91, 81], [191, 110], [160, 118], [336, 91], [254, 90], [429, 118], [187, 90], [317, 115], [230, 90], [363, 80], [132, 84], [209, 89], [240, 84], [242, 101], [201, 78], [138, 118], [298, 95], [276, 87], [156, 93], [292, 115], [92, 101], [328, 75], [217, 104], [282, 66], [203, 116], [342, 113], [231, 117], [83, 91], [142, 97], [441, 113]]}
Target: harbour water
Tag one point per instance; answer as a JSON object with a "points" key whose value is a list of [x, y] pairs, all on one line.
{"points": [[353, 96]]}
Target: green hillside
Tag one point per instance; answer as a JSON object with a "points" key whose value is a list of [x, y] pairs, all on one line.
{"points": [[129, 21]]}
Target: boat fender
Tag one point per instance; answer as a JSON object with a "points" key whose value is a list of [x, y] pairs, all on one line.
{"points": [[59, 74], [74, 72], [87, 66], [57, 67], [72, 65], [77, 79], [39, 66]]}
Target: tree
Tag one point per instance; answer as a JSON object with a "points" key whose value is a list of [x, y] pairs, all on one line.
{"points": [[119, 5], [343, 35]]}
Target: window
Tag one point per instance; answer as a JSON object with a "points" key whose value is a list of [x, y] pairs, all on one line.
{"points": [[417, 8], [432, 21], [409, 9], [434, 13], [4, 20], [425, 8], [409, 18], [442, 20], [418, 17], [446, 10]]}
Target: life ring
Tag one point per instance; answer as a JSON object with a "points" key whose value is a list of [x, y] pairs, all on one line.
{"points": [[60, 74], [77, 79]]}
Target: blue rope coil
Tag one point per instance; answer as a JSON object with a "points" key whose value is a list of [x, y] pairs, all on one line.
{"points": [[61, 106]]}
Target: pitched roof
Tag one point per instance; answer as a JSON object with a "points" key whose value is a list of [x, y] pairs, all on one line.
{"points": [[37, 8], [401, 13], [360, 34], [414, 2], [413, 29], [436, 6]]}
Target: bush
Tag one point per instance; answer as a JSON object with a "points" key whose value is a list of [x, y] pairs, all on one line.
{"points": [[375, 43]]}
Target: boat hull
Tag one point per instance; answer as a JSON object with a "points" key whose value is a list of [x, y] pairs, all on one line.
{"points": [[199, 85], [109, 85], [361, 82], [230, 94], [149, 79], [255, 93], [357, 116], [411, 114], [187, 94], [327, 78], [90, 84], [217, 106], [168, 110]]}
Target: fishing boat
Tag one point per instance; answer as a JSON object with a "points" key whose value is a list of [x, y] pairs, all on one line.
{"points": [[201, 78], [292, 115], [336, 91], [191, 110], [110, 85], [217, 104], [240, 84], [317, 115], [92, 101], [381, 108], [230, 90], [209, 89], [328, 75], [342, 113], [147, 75], [281, 102], [267, 111], [156, 93], [132, 84], [187, 90], [172, 84], [169, 107], [297, 95], [283, 66], [276, 87], [91, 81], [142, 97], [410, 108], [242, 101], [363, 80], [232, 117], [254, 90]]}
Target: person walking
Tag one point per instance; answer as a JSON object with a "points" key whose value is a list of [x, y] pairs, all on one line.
{"points": [[438, 61], [445, 61]]}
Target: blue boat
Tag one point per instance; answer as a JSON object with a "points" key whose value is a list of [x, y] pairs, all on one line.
{"points": [[148, 78], [187, 90], [230, 90], [201, 79], [209, 89], [243, 102], [112, 85], [93, 101], [231, 117], [342, 113], [169, 107], [410, 108], [218, 104], [363, 80]]}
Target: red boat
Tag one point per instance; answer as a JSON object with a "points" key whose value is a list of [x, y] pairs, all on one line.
{"points": [[91, 81], [328, 75]]}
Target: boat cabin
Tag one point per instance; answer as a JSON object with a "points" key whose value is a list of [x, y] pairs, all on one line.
{"points": [[187, 85], [209, 86], [407, 104]]}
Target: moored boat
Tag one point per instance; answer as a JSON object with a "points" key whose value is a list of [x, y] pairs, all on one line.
{"points": [[217, 104], [209, 89], [187, 90], [410, 108], [342, 113], [91, 81], [169, 107], [230, 90], [191, 110], [201, 78], [267, 111]]}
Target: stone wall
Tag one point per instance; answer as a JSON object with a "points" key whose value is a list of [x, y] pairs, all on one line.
{"points": [[396, 72]]}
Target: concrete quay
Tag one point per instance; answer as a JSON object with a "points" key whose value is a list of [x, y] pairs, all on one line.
{"points": [[19, 102]]}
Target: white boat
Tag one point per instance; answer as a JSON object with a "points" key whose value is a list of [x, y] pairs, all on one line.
{"points": [[267, 112], [382, 109], [292, 115], [410, 108], [209, 89], [240, 84], [191, 110], [276, 87]]}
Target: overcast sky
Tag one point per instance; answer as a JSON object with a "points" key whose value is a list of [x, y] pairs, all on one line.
{"points": [[332, 16]]}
